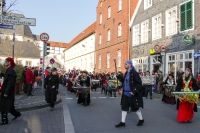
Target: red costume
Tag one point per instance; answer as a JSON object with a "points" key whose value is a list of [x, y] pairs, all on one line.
{"points": [[186, 108]]}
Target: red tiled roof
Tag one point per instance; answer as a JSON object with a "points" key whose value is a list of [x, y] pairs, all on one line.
{"points": [[83, 34], [58, 44]]}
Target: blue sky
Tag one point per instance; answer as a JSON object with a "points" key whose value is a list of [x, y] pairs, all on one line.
{"points": [[61, 19]]}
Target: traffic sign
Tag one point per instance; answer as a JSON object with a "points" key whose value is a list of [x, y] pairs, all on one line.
{"points": [[41, 60], [6, 26], [17, 21], [52, 61], [197, 55], [44, 37]]}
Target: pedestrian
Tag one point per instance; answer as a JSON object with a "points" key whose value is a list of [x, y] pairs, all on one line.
{"points": [[148, 86], [7, 98], [29, 81], [160, 81], [131, 97], [51, 87], [24, 80]]}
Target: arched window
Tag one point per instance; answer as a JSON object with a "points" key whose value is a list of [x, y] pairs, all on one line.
{"points": [[119, 29], [109, 12]]}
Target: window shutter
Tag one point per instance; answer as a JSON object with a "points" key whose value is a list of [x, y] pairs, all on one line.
{"points": [[189, 21], [183, 17], [186, 16]]}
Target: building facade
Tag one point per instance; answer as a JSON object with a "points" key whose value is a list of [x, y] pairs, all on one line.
{"points": [[165, 35], [81, 51], [112, 44]]}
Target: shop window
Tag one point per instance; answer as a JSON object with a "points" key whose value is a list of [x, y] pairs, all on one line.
{"points": [[190, 56], [186, 56], [179, 56], [186, 17]]}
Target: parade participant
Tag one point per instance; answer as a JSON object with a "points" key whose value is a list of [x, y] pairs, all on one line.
{"points": [[148, 86], [51, 86], [29, 81], [131, 97], [82, 97], [8, 92], [167, 98], [186, 109]]}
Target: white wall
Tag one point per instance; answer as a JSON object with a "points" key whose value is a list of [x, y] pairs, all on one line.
{"points": [[81, 55]]}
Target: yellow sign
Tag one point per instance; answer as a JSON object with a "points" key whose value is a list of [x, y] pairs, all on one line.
{"points": [[152, 51]]}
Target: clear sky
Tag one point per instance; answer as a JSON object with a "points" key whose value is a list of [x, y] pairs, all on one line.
{"points": [[61, 19]]}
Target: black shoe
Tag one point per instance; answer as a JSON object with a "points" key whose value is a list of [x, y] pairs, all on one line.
{"points": [[190, 121], [4, 123], [140, 122], [151, 98], [121, 124], [32, 95], [16, 117]]}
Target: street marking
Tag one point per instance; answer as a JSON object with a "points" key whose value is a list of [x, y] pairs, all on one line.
{"points": [[102, 97], [69, 98]]}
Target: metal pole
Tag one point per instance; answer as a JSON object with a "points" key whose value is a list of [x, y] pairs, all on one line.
{"points": [[13, 42], [43, 79]]}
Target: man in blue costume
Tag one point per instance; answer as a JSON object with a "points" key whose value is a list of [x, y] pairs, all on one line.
{"points": [[131, 96]]}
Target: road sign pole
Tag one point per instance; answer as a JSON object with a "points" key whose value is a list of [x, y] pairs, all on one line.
{"points": [[43, 79], [13, 42]]}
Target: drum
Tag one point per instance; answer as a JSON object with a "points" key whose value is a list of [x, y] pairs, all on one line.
{"points": [[81, 89], [169, 89], [148, 80]]}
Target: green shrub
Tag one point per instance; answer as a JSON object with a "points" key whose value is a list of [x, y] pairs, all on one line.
{"points": [[18, 69]]}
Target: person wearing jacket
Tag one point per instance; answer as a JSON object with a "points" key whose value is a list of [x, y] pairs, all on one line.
{"points": [[7, 98], [29, 80], [131, 96], [51, 86]]}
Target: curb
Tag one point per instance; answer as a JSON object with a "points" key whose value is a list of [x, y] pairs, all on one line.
{"points": [[42, 105]]}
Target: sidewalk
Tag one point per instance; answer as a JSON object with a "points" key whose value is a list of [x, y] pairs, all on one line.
{"points": [[25, 103]]}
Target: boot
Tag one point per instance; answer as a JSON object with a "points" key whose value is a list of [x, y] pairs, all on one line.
{"points": [[121, 124], [140, 122]]}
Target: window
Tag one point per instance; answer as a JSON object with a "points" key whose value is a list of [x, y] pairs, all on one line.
{"points": [[28, 63], [147, 4], [19, 62], [136, 30], [120, 5], [144, 31], [119, 55], [99, 62], [109, 12], [119, 30], [108, 60], [171, 25], [100, 19], [100, 39], [156, 27], [108, 35], [186, 16]]}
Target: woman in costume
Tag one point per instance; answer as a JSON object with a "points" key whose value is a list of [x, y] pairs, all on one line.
{"points": [[51, 86], [167, 97], [186, 107], [84, 98]]}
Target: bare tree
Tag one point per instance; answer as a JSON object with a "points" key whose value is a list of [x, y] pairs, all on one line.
{"points": [[11, 8]]}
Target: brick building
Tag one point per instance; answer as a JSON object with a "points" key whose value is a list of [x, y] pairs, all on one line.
{"points": [[173, 25], [112, 33]]}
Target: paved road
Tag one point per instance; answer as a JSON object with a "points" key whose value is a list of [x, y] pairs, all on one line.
{"points": [[99, 117], [104, 112]]}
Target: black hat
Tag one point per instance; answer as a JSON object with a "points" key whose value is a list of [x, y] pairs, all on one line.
{"points": [[54, 69], [48, 67]]}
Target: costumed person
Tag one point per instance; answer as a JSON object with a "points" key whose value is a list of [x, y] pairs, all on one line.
{"points": [[51, 86], [148, 86], [8, 92], [167, 97], [186, 107], [131, 95], [84, 98]]}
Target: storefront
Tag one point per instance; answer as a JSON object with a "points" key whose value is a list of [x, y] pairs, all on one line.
{"points": [[177, 60], [141, 64], [155, 63]]}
